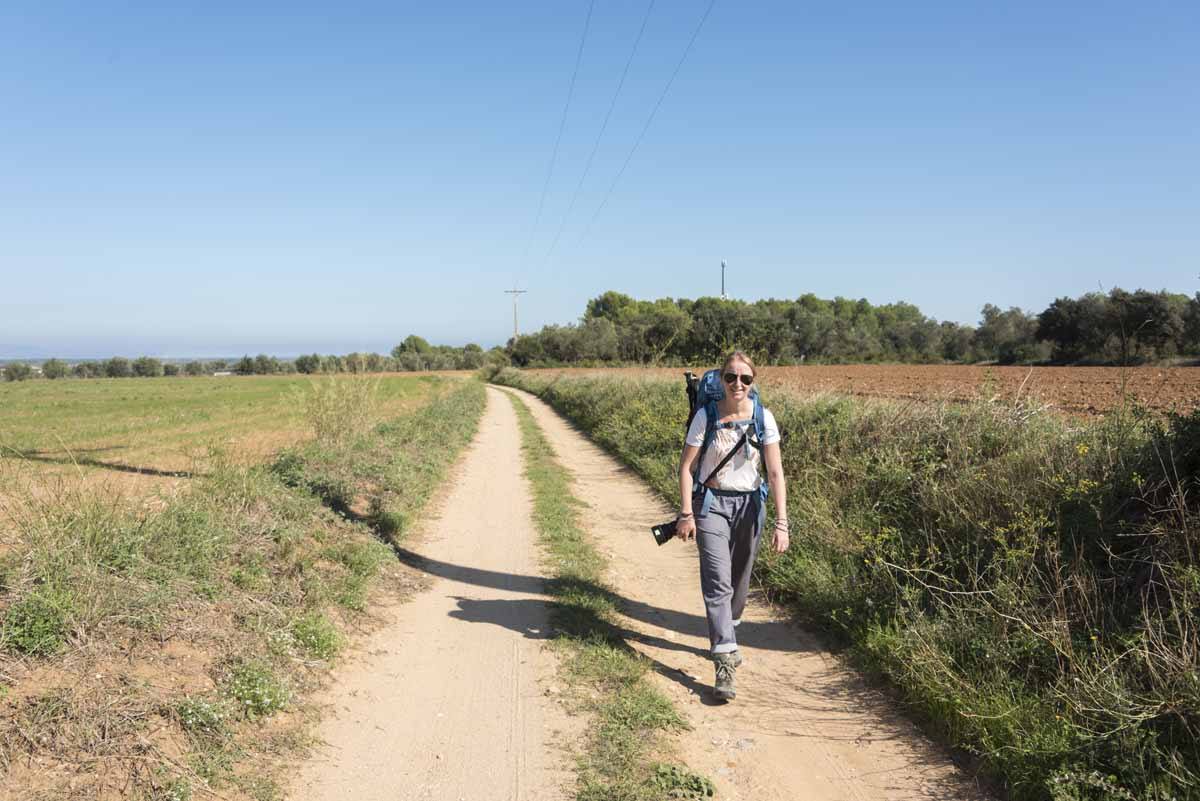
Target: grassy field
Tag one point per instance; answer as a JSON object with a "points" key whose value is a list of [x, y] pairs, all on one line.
{"points": [[138, 431]]}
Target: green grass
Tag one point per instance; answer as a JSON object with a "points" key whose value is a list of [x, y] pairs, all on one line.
{"points": [[1029, 585], [607, 677]]}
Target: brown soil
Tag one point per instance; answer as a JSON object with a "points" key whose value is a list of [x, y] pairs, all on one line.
{"points": [[1074, 390], [803, 725]]}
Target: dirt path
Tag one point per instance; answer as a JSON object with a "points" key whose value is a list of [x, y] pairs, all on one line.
{"points": [[445, 702], [802, 725]]}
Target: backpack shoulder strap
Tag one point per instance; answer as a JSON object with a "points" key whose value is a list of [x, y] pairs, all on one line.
{"points": [[710, 427], [760, 431]]}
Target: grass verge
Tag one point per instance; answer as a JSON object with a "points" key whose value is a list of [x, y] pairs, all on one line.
{"points": [[164, 650], [608, 679], [1030, 585]]}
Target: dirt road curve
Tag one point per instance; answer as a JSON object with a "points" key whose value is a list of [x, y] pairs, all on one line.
{"points": [[802, 727], [447, 704]]}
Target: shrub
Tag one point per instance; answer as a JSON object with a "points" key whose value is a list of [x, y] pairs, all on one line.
{"points": [[117, 367], [147, 367], [54, 368], [342, 408], [17, 371]]}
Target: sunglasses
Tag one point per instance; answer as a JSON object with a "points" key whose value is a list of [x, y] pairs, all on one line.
{"points": [[747, 380]]}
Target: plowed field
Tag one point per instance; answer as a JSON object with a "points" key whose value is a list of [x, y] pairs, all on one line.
{"points": [[1073, 390]]}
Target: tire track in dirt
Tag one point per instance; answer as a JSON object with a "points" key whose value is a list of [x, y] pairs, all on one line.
{"points": [[803, 725], [446, 702]]}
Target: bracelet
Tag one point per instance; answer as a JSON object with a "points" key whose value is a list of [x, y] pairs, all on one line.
{"points": [[782, 523], [684, 515]]}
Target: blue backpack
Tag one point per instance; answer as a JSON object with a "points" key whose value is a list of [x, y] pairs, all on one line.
{"points": [[704, 393]]}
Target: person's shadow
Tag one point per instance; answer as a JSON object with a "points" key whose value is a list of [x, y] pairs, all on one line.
{"points": [[540, 620]]}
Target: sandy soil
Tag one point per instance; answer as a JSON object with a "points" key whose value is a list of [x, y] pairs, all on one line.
{"points": [[803, 726], [450, 700]]}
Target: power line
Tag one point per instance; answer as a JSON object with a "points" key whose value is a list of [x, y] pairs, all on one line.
{"points": [[649, 120], [599, 136], [562, 124]]}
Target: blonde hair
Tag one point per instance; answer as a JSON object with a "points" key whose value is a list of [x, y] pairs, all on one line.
{"points": [[739, 356]]}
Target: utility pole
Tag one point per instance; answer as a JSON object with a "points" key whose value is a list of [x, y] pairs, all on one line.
{"points": [[515, 293], [723, 295]]}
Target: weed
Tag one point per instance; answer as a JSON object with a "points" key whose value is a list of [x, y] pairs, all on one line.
{"points": [[260, 788], [38, 623], [256, 690], [214, 760], [361, 557], [202, 717], [176, 789], [674, 781], [350, 592], [316, 635], [341, 408], [251, 575]]}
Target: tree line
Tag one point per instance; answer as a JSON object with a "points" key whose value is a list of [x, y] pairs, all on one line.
{"points": [[413, 354], [1117, 327]]}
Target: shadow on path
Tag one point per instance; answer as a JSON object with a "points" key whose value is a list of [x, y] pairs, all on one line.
{"points": [[773, 635], [515, 614]]}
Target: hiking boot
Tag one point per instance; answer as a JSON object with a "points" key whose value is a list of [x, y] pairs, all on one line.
{"points": [[723, 688]]}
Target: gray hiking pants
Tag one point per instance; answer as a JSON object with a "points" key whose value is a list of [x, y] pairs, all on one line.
{"points": [[728, 540]]}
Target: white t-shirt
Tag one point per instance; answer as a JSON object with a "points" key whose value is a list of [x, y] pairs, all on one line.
{"points": [[741, 473]]}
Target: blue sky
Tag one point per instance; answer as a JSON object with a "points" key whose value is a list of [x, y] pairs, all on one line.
{"points": [[210, 178]]}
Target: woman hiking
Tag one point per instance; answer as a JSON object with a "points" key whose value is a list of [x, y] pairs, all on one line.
{"points": [[724, 507]]}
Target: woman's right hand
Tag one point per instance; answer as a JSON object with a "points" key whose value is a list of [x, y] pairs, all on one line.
{"points": [[685, 528]]}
